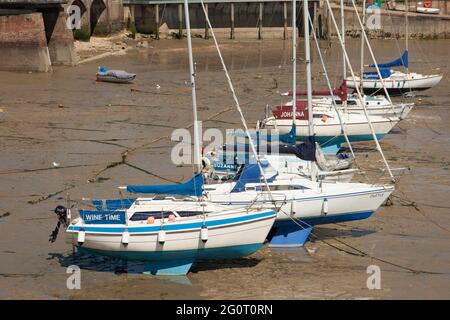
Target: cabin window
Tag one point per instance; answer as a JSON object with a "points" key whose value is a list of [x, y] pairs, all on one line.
{"points": [[139, 216], [280, 187], [191, 213]]}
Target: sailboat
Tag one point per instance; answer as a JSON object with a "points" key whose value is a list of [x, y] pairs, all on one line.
{"points": [[168, 234], [328, 125], [395, 81], [303, 202], [375, 105]]}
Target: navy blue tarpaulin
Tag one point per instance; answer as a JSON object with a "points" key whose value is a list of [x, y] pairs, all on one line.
{"points": [[192, 187], [305, 151], [402, 61]]}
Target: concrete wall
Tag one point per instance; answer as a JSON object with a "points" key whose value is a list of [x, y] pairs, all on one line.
{"points": [[246, 16], [23, 45], [421, 26]]}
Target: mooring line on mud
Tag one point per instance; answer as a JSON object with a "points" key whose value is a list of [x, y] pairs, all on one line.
{"points": [[358, 252], [363, 254], [150, 173], [43, 198], [47, 168], [408, 203]]}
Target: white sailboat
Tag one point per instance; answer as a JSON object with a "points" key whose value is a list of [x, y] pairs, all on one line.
{"points": [[328, 125], [169, 235], [390, 80]]}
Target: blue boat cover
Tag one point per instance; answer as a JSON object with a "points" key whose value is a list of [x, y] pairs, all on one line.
{"points": [[402, 61], [290, 137], [113, 204], [192, 187], [249, 173], [385, 73]]}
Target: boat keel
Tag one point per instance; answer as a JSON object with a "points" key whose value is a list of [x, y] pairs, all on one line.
{"points": [[289, 234], [168, 268]]}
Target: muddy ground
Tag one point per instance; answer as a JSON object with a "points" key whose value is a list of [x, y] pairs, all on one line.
{"points": [[64, 135]]}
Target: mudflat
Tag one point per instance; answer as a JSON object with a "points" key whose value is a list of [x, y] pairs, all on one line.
{"points": [[63, 134]]}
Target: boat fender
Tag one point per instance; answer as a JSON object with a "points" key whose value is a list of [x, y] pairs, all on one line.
{"points": [[125, 237], [204, 233], [206, 164], [161, 236], [81, 236], [325, 206]]}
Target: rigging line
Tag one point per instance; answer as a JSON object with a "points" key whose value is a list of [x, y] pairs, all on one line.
{"points": [[357, 88], [359, 252], [364, 34], [230, 84], [329, 88]]}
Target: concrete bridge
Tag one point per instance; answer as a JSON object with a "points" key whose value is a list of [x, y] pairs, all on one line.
{"points": [[34, 35]]}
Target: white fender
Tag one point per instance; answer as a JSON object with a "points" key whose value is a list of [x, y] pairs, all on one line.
{"points": [[161, 236], [204, 233], [81, 236], [325, 206], [125, 237]]}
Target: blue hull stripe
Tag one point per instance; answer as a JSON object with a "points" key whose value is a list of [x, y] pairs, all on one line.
{"points": [[175, 227], [329, 140], [337, 218], [229, 252]]}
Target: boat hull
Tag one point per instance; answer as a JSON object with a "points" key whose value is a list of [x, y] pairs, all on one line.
{"points": [[400, 84], [310, 209], [227, 238]]}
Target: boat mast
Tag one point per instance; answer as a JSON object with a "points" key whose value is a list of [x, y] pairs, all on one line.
{"points": [[294, 60], [407, 29], [344, 65], [197, 153], [308, 79], [308, 67], [362, 45]]}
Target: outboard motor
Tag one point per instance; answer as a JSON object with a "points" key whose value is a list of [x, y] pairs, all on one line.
{"points": [[61, 213]]}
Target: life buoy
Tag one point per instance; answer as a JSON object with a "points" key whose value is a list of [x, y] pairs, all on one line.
{"points": [[427, 4]]}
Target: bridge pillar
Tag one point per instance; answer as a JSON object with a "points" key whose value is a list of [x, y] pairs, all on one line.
{"points": [[60, 44], [23, 44]]}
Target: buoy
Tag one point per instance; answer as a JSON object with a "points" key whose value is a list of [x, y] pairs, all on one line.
{"points": [[150, 220], [204, 233], [81, 236], [125, 237], [325, 206], [172, 217], [161, 236]]}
